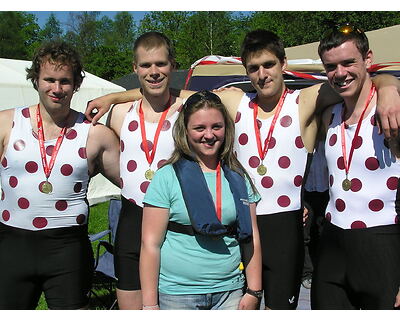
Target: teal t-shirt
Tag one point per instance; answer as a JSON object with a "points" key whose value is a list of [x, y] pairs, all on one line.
{"points": [[195, 264]]}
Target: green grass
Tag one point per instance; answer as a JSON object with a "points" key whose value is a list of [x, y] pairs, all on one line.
{"points": [[98, 221]]}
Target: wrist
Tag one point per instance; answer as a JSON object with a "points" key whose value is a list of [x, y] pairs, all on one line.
{"points": [[255, 293], [151, 307]]}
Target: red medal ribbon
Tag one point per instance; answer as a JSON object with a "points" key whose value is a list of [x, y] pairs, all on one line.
{"points": [[262, 152], [342, 125], [150, 155], [47, 167], [218, 202]]}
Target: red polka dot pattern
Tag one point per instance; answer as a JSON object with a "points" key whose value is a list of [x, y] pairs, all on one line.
{"points": [[132, 165], [161, 163], [71, 134], [357, 142], [298, 180], [392, 183], [61, 205], [332, 140], [82, 153], [144, 185], [66, 169], [39, 222], [166, 125], [375, 205], [284, 201], [31, 166], [340, 205], [78, 187], [358, 225], [284, 162], [81, 219], [243, 139], [26, 113], [286, 121], [272, 143], [267, 182], [122, 146], [372, 163], [13, 181], [5, 215], [23, 203], [49, 150], [149, 145], [133, 125], [254, 162], [299, 142], [4, 162], [19, 145], [238, 116], [340, 163], [356, 185]]}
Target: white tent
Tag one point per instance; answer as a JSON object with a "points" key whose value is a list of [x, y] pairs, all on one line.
{"points": [[16, 91]]}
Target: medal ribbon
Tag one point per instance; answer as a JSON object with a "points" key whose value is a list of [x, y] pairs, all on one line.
{"points": [[218, 202], [150, 155], [47, 167], [342, 125], [262, 152]]}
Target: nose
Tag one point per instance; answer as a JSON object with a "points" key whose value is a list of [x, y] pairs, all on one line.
{"points": [[208, 134], [57, 88], [154, 70], [262, 72], [340, 71]]}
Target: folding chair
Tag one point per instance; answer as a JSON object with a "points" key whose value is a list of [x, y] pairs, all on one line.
{"points": [[104, 275]]}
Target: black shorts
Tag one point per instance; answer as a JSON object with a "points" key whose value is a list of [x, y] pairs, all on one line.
{"points": [[282, 245], [58, 262], [127, 246], [357, 268]]}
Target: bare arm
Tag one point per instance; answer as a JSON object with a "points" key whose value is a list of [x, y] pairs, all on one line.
{"points": [[388, 104], [154, 226], [103, 103], [103, 153], [252, 263], [6, 121]]}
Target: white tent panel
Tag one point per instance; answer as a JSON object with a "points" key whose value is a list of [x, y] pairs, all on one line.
{"points": [[16, 91]]}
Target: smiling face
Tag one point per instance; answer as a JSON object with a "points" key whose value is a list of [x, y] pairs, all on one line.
{"points": [[346, 69], [153, 69], [55, 85], [206, 134], [265, 71]]}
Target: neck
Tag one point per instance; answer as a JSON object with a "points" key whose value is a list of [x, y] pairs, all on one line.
{"points": [[355, 104], [157, 103], [58, 117], [209, 164], [269, 103]]}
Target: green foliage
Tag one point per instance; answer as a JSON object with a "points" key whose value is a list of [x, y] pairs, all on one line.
{"points": [[106, 44]]}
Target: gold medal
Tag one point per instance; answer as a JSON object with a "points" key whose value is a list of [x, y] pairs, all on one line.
{"points": [[149, 174], [46, 187], [346, 184], [261, 170]]}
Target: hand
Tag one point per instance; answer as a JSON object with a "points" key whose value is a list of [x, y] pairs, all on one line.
{"points": [[305, 215], [388, 112], [101, 105], [397, 300], [248, 302], [233, 88]]}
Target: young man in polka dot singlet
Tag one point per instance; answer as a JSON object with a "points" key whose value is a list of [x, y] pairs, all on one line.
{"points": [[152, 117], [359, 256], [48, 154], [280, 211]]}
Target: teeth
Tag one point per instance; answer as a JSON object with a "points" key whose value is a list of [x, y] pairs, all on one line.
{"points": [[343, 83]]}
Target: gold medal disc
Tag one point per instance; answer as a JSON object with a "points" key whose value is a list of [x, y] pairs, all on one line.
{"points": [[261, 170], [149, 174], [346, 184], [46, 187]]}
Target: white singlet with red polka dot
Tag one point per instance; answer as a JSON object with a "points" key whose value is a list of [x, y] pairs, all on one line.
{"points": [[280, 187], [133, 162], [22, 204], [374, 173]]}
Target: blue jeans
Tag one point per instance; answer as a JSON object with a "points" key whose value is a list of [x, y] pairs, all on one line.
{"points": [[226, 300]]}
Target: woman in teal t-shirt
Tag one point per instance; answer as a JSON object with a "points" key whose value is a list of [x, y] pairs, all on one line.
{"points": [[199, 219]]}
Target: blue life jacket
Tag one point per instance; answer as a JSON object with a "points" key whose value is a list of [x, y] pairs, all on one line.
{"points": [[201, 207]]}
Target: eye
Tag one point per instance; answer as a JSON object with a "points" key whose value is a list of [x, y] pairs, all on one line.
{"points": [[252, 69]]}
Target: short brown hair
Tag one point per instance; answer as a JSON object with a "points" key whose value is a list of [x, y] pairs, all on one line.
{"points": [[153, 39], [58, 53]]}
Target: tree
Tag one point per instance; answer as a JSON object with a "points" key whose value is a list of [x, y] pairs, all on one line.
{"points": [[52, 29], [18, 34]]}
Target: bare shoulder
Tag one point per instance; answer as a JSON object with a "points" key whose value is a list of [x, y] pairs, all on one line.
{"points": [[6, 120], [117, 115]]}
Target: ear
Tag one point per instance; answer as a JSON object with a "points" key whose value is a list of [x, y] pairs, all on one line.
{"points": [[368, 59], [284, 65], [134, 66]]}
